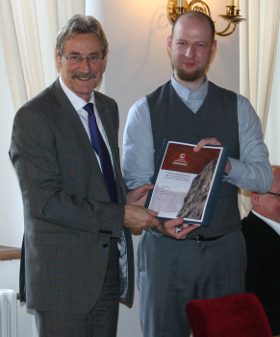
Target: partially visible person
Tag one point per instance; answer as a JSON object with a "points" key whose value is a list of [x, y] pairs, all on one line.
{"points": [[77, 251], [174, 266], [261, 229]]}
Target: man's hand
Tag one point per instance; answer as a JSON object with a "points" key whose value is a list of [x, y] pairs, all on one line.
{"points": [[137, 218], [212, 141], [206, 141], [176, 228], [139, 195]]}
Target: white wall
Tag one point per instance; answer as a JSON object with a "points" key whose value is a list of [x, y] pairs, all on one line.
{"points": [[137, 64]]}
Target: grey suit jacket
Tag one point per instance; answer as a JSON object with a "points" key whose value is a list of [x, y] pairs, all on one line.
{"points": [[68, 217]]}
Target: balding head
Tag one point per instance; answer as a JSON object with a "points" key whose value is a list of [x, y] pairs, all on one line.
{"points": [[268, 204], [196, 15]]}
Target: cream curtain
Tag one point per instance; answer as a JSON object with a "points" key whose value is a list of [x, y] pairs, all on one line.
{"points": [[28, 30], [272, 134], [258, 45]]}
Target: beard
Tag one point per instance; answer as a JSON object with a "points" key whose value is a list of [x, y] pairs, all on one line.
{"points": [[190, 77]]}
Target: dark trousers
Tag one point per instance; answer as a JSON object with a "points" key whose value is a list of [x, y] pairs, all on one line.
{"points": [[100, 321], [173, 272]]}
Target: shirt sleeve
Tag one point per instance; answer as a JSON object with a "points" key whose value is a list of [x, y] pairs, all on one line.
{"points": [[138, 146], [252, 171]]}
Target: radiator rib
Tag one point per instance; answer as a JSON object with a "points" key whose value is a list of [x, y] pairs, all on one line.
{"points": [[8, 313]]}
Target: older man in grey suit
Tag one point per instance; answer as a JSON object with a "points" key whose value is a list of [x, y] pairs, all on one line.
{"points": [[77, 237]]}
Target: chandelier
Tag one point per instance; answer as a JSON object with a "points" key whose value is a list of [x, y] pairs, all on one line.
{"points": [[232, 16]]}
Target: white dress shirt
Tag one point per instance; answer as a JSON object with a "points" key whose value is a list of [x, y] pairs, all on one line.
{"points": [[273, 224], [78, 104]]}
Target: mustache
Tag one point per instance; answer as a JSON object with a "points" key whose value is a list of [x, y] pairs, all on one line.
{"points": [[84, 76]]}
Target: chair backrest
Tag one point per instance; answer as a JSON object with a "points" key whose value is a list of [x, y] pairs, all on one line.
{"points": [[240, 315]]}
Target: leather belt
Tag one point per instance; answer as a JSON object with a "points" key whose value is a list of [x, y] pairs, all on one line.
{"points": [[200, 238]]}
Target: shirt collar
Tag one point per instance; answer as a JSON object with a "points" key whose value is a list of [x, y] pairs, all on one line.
{"points": [[273, 224], [186, 94], [76, 101]]}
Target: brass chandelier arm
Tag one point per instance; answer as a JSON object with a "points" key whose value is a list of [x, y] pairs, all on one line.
{"points": [[226, 31], [177, 7], [201, 6]]}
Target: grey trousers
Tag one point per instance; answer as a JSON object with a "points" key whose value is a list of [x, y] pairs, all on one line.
{"points": [[172, 272], [100, 321]]}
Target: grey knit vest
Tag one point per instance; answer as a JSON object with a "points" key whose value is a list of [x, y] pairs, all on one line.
{"points": [[172, 120]]}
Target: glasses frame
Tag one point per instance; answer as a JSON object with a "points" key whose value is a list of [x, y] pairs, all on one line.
{"points": [[273, 193], [96, 60]]}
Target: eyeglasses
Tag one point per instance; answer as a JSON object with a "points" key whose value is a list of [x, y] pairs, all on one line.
{"points": [[75, 59], [273, 193]]}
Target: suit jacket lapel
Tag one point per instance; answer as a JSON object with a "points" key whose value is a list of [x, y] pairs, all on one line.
{"points": [[70, 115]]}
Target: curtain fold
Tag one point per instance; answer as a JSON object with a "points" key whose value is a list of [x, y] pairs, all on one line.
{"points": [[28, 31], [258, 46], [272, 135], [11, 53]]}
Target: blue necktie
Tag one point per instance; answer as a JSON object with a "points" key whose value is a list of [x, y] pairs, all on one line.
{"points": [[103, 153]]}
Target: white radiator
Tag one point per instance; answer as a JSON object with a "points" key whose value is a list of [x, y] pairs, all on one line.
{"points": [[8, 313]]}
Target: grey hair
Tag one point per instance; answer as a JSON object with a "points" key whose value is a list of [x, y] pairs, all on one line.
{"points": [[81, 24]]}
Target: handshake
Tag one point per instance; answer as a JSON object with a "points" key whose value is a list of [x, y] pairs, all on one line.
{"points": [[137, 218]]}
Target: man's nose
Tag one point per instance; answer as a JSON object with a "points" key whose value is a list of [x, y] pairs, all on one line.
{"points": [[189, 52], [85, 63]]}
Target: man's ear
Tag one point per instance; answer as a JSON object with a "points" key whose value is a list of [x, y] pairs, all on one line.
{"points": [[169, 44], [214, 50], [57, 58], [104, 63], [256, 198]]}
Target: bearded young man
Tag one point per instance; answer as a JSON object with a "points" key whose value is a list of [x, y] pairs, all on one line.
{"points": [[174, 266]]}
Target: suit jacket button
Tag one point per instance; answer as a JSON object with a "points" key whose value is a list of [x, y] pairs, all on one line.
{"points": [[105, 245]]}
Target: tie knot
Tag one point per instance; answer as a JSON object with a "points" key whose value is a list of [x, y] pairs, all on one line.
{"points": [[89, 108]]}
